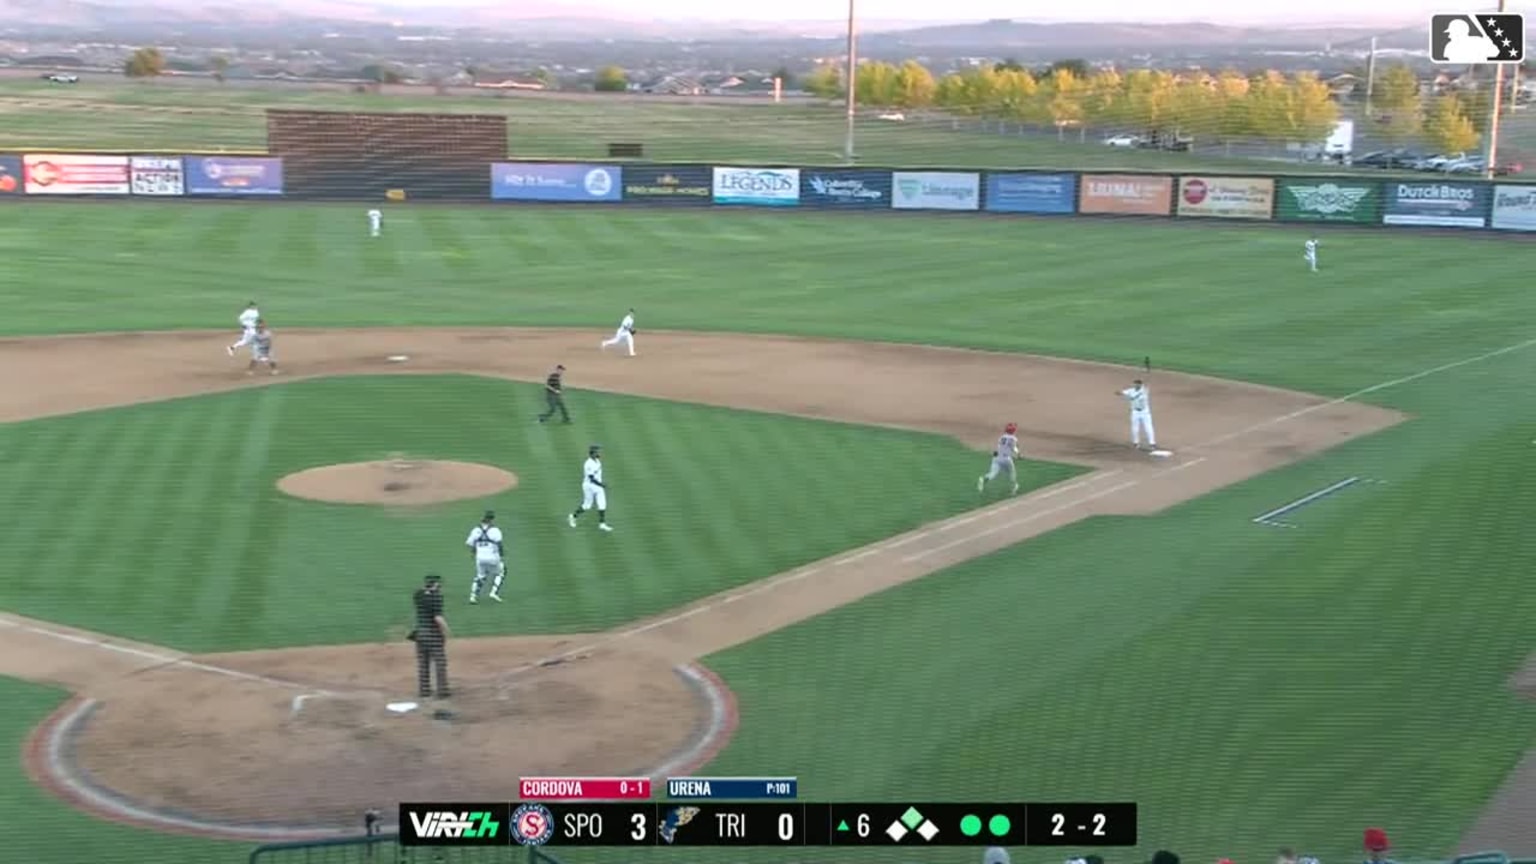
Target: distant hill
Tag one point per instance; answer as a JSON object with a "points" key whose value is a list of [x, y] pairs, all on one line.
{"points": [[531, 20]]}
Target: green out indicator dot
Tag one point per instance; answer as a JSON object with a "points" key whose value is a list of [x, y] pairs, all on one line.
{"points": [[998, 825], [970, 825]]}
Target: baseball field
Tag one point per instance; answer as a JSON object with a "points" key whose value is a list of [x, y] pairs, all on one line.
{"points": [[198, 634]]}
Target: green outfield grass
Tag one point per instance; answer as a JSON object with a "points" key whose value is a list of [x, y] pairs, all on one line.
{"points": [[198, 116], [1250, 687]]}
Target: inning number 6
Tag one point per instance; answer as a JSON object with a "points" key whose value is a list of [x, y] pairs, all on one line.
{"points": [[638, 834]]}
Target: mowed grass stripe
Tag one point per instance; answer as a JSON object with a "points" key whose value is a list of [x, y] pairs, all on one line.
{"points": [[253, 543]]}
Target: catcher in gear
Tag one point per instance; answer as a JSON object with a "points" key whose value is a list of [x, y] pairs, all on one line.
{"points": [[490, 557]]}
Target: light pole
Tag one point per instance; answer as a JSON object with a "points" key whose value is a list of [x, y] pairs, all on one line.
{"points": [[1498, 105], [852, 84]]}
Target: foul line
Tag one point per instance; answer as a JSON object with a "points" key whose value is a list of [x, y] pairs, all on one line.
{"points": [[162, 660], [1270, 517]]}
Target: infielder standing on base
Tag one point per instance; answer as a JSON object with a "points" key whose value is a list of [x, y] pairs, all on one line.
{"points": [[490, 557], [1003, 455], [1309, 253], [624, 335], [594, 493], [248, 320], [1141, 414]]}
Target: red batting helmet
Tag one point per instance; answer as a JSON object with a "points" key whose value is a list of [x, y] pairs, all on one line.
{"points": [[1011, 428]]}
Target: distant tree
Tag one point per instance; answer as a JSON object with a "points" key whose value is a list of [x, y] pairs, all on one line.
{"points": [[1396, 89], [1104, 103], [1448, 127], [611, 79], [144, 63], [1010, 65], [1067, 94], [825, 81], [1078, 68], [472, 72], [786, 78], [220, 66], [1236, 117], [914, 85], [875, 84], [378, 73]]}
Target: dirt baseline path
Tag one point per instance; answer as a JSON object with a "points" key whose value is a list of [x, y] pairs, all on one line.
{"points": [[298, 755]]}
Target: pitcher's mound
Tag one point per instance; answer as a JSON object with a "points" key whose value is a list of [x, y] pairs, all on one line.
{"points": [[404, 482]]}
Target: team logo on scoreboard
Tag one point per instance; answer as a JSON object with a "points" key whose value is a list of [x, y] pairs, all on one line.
{"points": [[677, 817], [532, 825]]}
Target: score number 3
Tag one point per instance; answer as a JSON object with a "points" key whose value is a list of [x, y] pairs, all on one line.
{"points": [[637, 833], [1059, 824]]}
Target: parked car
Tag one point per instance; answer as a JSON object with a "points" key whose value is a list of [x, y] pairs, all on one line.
{"points": [[1469, 165], [1438, 163], [60, 78], [1124, 141], [1389, 159]]}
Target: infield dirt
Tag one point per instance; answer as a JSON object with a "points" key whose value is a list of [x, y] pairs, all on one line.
{"points": [[240, 755]]}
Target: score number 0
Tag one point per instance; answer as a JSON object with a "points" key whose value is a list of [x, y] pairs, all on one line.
{"points": [[1059, 822]]}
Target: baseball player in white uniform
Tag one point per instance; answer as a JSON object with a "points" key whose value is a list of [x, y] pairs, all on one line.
{"points": [[1309, 254], [375, 222], [490, 557], [1141, 414], [625, 335], [248, 320], [594, 493], [261, 349], [1003, 454]]}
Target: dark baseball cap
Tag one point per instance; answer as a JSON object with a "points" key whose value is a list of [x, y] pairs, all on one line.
{"points": [[433, 579], [489, 515]]}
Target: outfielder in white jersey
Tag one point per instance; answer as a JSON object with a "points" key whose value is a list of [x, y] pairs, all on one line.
{"points": [[248, 320], [1003, 454], [1309, 254], [375, 222], [490, 557], [1140, 401], [625, 335], [594, 492]]}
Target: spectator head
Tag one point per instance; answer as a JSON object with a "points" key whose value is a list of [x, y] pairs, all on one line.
{"points": [[1163, 856], [1286, 855], [1376, 844], [995, 855]]}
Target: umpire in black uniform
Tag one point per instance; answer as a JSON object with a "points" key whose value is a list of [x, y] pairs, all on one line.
{"points": [[430, 636], [554, 395]]}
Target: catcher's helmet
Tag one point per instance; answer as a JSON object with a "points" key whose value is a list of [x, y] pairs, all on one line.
{"points": [[1011, 428], [592, 449]]}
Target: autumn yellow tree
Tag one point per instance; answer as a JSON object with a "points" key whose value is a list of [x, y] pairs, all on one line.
{"points": [[1395, 89], [1448, 127], [875, 84], [1104, 102], [951, 94], [825, 81], [914, 86], [1235, 119], [1066, 93], [1192, 107], [1018, 97], [1148, 94]]}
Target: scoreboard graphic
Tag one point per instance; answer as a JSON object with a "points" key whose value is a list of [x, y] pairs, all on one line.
{"points": [[749, 811]]}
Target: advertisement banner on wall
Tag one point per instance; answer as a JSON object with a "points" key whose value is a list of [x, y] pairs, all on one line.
{"points": [[935, 190], [1031, 193], [762, 187], [75, 174], [845, 189], [157, 175], [1226, 197], [234, 175], [1129, 194], [1353, 202], [554, 181], [1450, 205], [669, 184], [1514, 208], [10, 175]]}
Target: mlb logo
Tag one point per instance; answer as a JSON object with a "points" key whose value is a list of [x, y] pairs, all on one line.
{"points": [[1465, 40]]}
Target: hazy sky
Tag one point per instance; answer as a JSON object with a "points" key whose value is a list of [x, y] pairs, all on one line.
{"points": [[1295, 12]]}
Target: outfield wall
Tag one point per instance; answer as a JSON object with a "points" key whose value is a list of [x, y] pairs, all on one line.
{"points": [[1435, 202]]}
